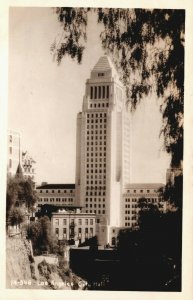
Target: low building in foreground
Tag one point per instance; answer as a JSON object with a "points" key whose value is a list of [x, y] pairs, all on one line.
{"points": [[73, 224]]}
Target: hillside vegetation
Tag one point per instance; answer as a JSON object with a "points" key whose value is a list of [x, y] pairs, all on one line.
{"points": [[27, 272]]}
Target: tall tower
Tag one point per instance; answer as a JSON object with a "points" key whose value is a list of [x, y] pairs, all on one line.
{"points": [[102, 153]]}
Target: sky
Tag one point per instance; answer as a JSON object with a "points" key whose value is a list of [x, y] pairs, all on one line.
{"points": [[44, 100]]}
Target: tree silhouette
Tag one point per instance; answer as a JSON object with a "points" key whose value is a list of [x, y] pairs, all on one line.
{"points": [[21, 196], [147, 46]]}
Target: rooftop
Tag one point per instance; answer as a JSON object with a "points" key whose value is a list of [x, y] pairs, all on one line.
{"points": [[57, 186], [143, 185], [73, 213]]}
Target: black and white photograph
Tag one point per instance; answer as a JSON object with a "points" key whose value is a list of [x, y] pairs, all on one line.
{"points": [[95, 148]]}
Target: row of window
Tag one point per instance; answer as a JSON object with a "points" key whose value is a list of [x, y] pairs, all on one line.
{"points": [[73, 221], [130, 212], [96, 171], [99, 92], [98, 105], [99, 212], [97, 121], [96, 137], [96, 143], [96, 131], [96, 176], [96, 159], [137, 199], [95, 199], [58, 191], [56, 200], [129, 224], [95, 205], [96, 126], [141, 191], [101, 184], [96, 115], [132, 218], [96, 193], [96, 188], [79, 230], [133, 206], [97, 182]]}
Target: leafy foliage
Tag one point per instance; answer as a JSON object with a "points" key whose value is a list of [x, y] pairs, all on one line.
{"points": [[74, 22], [20, 191], [47, 210], [153, 252], [20, 197], [173, 192], [42, 237], [16, 216], [147, 47]]}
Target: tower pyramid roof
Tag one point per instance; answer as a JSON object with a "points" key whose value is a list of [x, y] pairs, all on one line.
{"points": [[105, 64]]}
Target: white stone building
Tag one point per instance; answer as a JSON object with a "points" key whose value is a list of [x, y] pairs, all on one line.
{"points": [[132, 193], [103, 157], [103, 188], [16, 157], [56, 194], [13, 153], [69, 224]]}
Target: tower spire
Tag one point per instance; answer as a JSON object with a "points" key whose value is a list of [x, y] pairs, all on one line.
{"points": [[19, 172]]}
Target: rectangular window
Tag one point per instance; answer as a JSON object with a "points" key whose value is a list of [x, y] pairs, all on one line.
{"points": [[64, 222], [95, 92], [91, 92], [99, 92], [107, 92], [91, 221], [103, 92], [91, 231], [86, 221], [79, 221], [57, 222]]}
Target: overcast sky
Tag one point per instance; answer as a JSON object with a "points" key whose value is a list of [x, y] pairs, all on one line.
{"points": [[44, 100]]}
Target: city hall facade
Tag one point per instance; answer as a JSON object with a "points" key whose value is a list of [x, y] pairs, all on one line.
{"points": [[102, 180]]}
